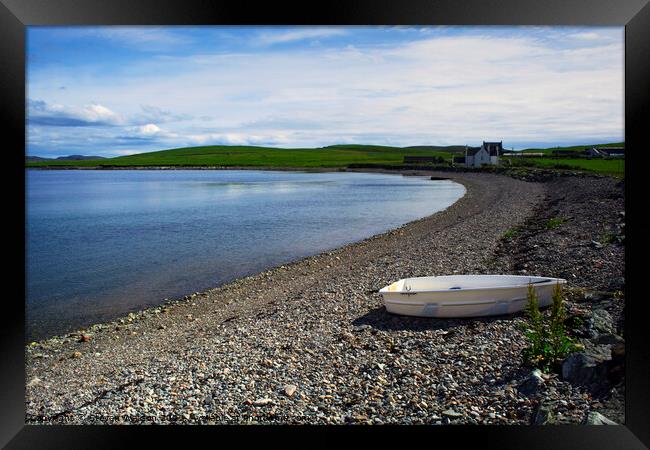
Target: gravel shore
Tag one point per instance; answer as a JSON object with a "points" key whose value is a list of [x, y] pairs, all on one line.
{"points": [[310, 342]]}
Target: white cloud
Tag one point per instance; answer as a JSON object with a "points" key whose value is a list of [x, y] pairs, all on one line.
{"points": [[44, 113], [238, 139], [149, 129], [587, 36], [270, 38], [125, 152]]}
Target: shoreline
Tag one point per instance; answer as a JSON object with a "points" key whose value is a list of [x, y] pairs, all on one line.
{"points": [[315, 307], [264, 168]]}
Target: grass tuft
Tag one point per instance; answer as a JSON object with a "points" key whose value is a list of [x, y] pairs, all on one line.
{"points": [[555, 222]]}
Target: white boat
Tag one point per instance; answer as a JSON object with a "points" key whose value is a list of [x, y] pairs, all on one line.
{"points": [[465, 295]]}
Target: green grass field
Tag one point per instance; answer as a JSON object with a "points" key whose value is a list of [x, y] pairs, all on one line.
{"points": [[614, 167], [326, 157], [335, 156], [575, 148]]}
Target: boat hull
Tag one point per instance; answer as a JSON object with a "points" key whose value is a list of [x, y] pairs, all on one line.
{"points": [[465, 295]]}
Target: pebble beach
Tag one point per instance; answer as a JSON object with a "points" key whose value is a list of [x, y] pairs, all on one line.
{"points": [[310, 342]]}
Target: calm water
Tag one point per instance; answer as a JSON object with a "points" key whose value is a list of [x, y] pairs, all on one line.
{"points": [[103, 243]]}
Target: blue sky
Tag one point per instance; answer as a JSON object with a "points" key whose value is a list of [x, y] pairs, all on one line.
{"points": [[120, 90]]}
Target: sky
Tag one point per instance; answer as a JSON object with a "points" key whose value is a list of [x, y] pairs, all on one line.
{"points": [[113, 91]]}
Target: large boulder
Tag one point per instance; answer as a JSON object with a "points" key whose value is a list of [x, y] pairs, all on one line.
{"points": [[596, 418], [589, 367], [609, 339], [600, 322]]}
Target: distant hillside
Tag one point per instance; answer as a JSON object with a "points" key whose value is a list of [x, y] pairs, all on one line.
{"points": [[78, 158], [448, 148], [63, 158], [36, 158], [251, 156]]}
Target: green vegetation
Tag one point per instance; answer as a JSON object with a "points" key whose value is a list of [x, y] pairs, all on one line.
{"points": [[240, 156], [606, 166], [549, 343], [335, 156], [512, 232], [555, 222], [608, 238], [575, 148]]}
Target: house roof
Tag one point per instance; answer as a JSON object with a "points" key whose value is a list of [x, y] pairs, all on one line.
{"points": [[610, 150], [493, 148]]}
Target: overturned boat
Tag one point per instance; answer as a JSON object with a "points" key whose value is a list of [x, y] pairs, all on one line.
{"points": [[466, 295]]}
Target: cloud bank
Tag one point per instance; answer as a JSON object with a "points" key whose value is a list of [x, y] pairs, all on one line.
{"points": [[316, 86]]}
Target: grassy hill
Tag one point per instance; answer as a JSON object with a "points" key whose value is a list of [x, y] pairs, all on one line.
{"points": [[326, 157], [333, 156]]}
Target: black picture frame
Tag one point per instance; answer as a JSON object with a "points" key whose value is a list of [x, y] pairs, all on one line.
{"points": [[16, 15]]}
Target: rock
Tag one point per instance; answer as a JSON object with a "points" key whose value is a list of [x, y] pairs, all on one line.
{"points": [[76, 355], [609, 339], [618, 350], [589, 367], [290, 389], [596, 418], [346, 336], [597, 244], [262, 402], [600, 322], [544, 414], [34, 381], [592, 297], [531, 384], [451, 413], [84, 338]]}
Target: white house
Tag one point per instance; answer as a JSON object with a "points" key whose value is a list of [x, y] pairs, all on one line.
{"points": [[488, 153]]}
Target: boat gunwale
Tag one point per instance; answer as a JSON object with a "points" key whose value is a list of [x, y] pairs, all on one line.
{"points": [[551, 280]]}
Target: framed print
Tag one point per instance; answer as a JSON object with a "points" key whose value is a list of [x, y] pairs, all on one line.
{"points": [[358, 216]]}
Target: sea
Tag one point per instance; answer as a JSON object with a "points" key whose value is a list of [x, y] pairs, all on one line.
{"points": [[103, 243]]}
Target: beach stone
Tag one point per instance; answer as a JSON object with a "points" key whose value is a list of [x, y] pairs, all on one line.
{"points": [[544, 414], [596, 418], [618, 351], [531, 384], [452, 414], [609, 339], [589, 367], [34, 381], [262, 402], [290, 389], [600, 322]]}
